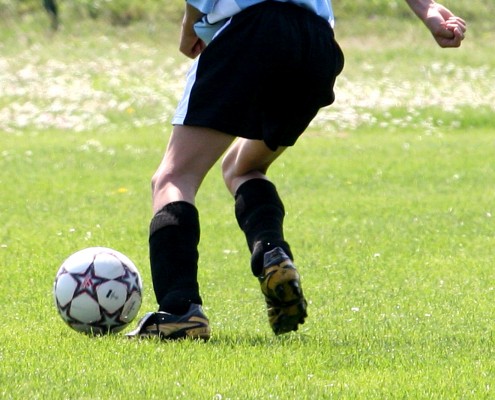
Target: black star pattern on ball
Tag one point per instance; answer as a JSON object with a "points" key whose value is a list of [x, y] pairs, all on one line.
{"points": [[130, 279], [108, 322], [87, 282], [64, 313]]}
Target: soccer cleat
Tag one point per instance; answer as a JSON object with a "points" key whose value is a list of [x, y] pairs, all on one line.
{"points": [[280, 283], [192, 325]]}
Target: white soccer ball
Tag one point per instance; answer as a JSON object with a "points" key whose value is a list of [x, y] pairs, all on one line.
{"points": [[98, 291]]}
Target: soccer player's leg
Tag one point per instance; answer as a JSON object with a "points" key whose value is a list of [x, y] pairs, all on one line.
{"points": [[175, 233], [260, 214]]}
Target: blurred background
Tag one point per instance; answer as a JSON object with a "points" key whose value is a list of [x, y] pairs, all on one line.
{"points": [[125, 12], [84, 64]]}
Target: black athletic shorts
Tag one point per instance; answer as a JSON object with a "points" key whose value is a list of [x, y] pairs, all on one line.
{"points": [[264, 76]]}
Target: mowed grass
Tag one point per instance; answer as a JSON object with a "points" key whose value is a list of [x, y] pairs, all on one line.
{"points": [[393, 234], [391, 223]]}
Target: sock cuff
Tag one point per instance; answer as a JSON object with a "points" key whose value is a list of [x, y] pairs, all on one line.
{"points": [[254, 193], [255, 185], [177, 213]]}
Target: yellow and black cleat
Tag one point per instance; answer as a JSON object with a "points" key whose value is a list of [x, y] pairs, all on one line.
{"points": [[192, 325], [281, 285]]}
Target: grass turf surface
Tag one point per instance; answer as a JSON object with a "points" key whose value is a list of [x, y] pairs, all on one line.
{"points": [[393, 234]]}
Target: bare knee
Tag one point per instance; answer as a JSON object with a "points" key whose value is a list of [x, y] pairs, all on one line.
{"points": [[155, 182], [160, 180], [168, 187]]}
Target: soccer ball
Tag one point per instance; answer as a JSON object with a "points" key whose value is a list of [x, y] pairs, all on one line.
{"points": [[98, 291]]}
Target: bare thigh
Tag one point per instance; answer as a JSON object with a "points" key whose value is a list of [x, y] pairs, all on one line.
{"points": [[190, 154]]}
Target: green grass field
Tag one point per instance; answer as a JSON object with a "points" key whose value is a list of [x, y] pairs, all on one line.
{"points": [[390, 213]]}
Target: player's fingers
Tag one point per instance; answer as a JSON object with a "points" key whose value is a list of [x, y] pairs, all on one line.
{"points": [[457, 27], [449, 37], [456, 22], [456, 31]]}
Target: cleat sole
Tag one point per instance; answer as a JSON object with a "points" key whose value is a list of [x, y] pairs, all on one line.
{"points": [[286, 305]]}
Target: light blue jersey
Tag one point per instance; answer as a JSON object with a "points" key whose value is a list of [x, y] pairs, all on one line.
{"points": [[217, 12]]}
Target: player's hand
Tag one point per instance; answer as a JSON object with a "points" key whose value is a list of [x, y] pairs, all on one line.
{"points": [[190, 44], [447, 29]]}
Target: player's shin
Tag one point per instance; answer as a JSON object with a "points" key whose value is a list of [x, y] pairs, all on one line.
{"points": [[173, 245], [260, 214]]}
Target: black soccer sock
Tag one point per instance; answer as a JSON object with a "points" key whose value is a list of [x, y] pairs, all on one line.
{"points": [[260, 214], [173, 245]]}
